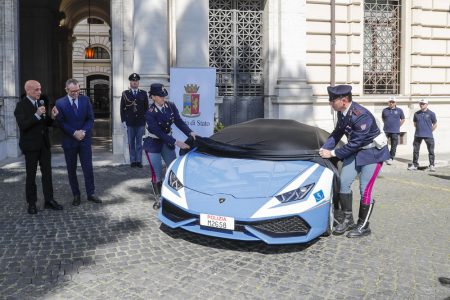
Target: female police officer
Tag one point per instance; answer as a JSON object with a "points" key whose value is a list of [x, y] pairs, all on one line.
{"points": [[363, 154], [160, 143]]}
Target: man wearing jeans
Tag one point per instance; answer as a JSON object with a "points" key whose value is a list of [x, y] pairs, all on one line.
{"points": [[393, 119], [133, 106], [425, 122]]}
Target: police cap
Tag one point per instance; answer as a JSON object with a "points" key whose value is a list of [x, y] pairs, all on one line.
{"points": [[134, 77], [157, 89], [339, 91]]}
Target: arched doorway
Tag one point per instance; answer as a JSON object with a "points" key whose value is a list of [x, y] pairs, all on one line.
{"points": [[98, 90], [51, 36]]}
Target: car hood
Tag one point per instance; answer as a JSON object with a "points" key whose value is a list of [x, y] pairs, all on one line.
{"points": [[240, 178]]}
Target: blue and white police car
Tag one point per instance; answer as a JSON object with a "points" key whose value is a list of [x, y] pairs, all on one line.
{"points": [[261, 180]]}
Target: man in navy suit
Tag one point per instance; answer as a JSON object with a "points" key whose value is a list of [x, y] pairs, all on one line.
{"points": [[76, 119], [34, 142], [133, 106], [363, 155]]}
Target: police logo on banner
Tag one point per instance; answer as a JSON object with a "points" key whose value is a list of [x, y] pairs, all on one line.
{"points": [[191, 101]]}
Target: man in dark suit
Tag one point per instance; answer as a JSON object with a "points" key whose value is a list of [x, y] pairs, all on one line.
{"points": [[76, 119], [133, 106], [34, 142]]}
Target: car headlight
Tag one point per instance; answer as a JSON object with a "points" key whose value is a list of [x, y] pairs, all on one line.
{"points": [[174, 182], [295, 195]]}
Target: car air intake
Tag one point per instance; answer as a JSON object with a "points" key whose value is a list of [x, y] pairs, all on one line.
{"points": [[283, 227]]}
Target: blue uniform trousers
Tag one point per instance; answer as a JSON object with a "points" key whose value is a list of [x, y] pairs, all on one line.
{"points": [[71, 154], [155, 161], [368, 174], [135, 135]]}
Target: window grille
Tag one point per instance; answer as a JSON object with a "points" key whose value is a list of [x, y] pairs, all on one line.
{"points": [[100, 53], [382, 46], [235, 46]]}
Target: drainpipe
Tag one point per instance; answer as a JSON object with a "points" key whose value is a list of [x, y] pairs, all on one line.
{"points": [[333, 52], [333, 44]]}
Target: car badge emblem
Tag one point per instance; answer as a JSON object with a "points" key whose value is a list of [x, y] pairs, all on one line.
{"points": [[221, 200]]}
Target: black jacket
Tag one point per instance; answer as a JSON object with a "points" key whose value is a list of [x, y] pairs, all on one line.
{"points": [[33, 132]]}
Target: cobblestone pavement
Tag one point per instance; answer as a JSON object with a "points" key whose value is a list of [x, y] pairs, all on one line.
{"points": [[119, 250]]}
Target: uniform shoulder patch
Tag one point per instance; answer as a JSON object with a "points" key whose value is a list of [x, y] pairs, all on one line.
{"points": [[356, 112]]}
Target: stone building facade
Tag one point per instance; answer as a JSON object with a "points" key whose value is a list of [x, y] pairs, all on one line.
{"points": [[293, 52]]}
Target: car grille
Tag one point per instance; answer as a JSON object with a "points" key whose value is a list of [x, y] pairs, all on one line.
{"points": [[275, 228], [283, 227]]}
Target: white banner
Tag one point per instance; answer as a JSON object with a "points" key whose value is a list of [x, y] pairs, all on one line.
{"points": [[193, 90]]}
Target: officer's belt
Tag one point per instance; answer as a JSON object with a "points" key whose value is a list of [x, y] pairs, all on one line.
{"points": [[371, 145], [155, 136]]}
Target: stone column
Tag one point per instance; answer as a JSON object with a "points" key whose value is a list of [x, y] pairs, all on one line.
{"points": [[9, 78], [290, 53], [150, 36], [122, 62], [191, 21]]}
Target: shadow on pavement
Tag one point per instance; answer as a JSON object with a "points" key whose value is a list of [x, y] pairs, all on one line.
{"points": [[40, 253], [446, 177], [225, 244]]}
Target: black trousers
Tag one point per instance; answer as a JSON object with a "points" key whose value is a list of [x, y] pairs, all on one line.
{"points": [[416, 149], [32, 158], [394, 143]]}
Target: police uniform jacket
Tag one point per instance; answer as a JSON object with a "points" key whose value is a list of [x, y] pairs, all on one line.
{"points": [[159, 124], [360, 128], [133, 108]]}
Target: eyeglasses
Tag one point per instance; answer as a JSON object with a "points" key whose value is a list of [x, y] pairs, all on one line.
{"points": [[422, 103], [73, 91]]}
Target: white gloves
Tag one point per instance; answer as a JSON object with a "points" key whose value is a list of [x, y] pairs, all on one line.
{"points": [[124, 125]]}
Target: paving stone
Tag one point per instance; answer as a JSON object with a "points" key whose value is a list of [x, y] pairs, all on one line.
{"points": [[119, 250]]}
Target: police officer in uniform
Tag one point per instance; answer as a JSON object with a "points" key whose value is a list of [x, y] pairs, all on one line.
{"points": [[393, 119], [160, 143], [133, 106], [364, 154]]}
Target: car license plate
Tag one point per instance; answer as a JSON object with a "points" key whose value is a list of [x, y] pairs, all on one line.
{"points": [[214, 221]]}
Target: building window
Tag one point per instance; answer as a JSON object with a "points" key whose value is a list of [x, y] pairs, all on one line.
{"points": [[382, 46], [95, 21], [100, 53]]}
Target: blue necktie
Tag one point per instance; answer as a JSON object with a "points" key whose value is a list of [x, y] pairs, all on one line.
{"points": [[74, 106]]}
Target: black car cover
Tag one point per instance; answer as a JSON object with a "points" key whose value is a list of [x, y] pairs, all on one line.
{"points": [[269, 139]]}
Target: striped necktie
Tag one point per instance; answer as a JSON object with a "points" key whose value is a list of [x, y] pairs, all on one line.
{"points": [[74, 106]]}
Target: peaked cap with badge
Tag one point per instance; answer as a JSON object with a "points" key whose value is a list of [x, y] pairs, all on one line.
{"points": [[339, 91], [157, 89], [134, 77]]}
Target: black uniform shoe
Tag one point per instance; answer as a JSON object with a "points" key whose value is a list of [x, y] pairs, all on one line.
{"points": [[362, 227], [32, 210], [347, 223], [94, 199], [52, 204], [76, 200], [360, 230], [133, 164], [139, 165]]}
